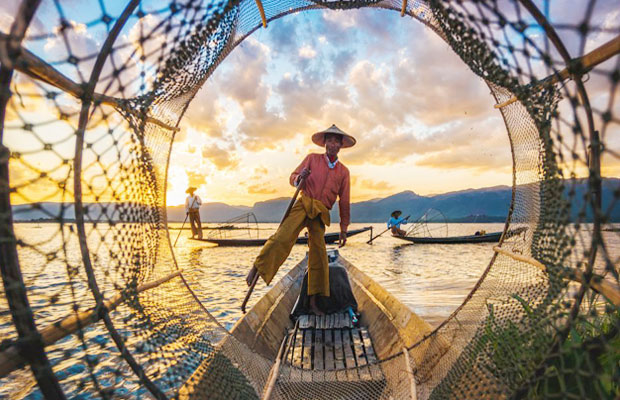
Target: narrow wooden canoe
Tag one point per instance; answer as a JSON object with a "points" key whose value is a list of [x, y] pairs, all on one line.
{"points": [[330, 238], [385, 327], [325, 357], [492, 237]]}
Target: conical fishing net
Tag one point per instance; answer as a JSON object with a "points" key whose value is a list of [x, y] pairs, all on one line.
{"points": [[88, 127]]}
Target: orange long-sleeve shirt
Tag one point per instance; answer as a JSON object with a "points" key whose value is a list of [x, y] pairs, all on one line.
{"points": [[324, 184]]}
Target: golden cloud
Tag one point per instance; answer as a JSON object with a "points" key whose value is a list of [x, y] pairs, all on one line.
{"points": [[260, 189], [222, 158], [369, 184], [196, 178]]}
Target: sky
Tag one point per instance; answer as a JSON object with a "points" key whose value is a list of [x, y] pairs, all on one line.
{"points": [[422, 119]]}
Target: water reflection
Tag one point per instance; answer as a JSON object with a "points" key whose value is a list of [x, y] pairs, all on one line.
{"points": [[421, 276]]}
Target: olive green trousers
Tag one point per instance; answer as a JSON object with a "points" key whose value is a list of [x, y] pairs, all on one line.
{"points": [[305, 213]]}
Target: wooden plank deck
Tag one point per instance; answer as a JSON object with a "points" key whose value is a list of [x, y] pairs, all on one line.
{"points": [[328, 349], [375, 370], [360, 355], [329, 343]]}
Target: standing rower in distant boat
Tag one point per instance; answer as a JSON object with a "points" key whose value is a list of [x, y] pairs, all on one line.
{"points": [[326, 179], [395, 222], [192, 209]]}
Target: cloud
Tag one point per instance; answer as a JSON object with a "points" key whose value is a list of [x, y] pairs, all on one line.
{"points": [[466, 149], [222, 158], [234, 88], [196, 178], [303, 101], [342, 61], [306, 51], [8, 9], [380, 147], [235, 101], [260, 189], [369, 184], [283, 35], [204, 114], [243, 80], [375, 25], [260, 171], [481, 160], [415, 100], [376, 97], [340, 19]]}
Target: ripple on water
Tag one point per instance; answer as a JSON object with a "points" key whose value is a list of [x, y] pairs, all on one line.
{"points": [[432, 280]]}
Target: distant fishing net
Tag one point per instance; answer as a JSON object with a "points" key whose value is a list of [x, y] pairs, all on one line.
{"points": [[91, 100], [430, 224], [243, 226]]}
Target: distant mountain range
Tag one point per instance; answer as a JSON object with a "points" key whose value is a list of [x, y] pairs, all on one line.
{"points": [[473, 205]]}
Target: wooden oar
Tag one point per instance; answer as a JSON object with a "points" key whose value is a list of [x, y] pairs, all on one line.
{"points": [[373, 238], [255, 279]]}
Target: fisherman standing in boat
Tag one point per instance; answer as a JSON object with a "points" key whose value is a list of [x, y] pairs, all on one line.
{"points": [[395, 222], [325, 179], [192, 209]]}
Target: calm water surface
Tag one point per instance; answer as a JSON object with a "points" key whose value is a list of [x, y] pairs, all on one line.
{"points": [[432, 280]]}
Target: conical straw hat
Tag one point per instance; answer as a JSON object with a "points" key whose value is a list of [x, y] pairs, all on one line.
{"points": [[347, 140]]}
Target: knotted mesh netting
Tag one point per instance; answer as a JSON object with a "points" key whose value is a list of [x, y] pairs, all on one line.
{"points": [[89, 128]]}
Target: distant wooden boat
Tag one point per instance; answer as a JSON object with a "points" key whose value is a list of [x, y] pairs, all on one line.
{"points": [[325, 355], [330, 238], [492, 237]]}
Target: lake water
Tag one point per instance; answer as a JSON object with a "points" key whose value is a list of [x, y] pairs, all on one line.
{"points": [[432, 280]]}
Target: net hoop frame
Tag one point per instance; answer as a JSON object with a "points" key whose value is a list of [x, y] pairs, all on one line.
{"points": [[36, 354]]}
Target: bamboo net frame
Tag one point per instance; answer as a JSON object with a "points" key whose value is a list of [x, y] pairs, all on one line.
{"points": [[227, 24]]}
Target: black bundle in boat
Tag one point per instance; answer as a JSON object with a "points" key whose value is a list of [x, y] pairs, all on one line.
{"points": [[340, 299]]}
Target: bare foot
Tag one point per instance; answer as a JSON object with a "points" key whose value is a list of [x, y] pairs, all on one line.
{"points": [[250, 278]]}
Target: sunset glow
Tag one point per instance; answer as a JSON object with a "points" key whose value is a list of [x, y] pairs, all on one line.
{"points": [[423, 120]]}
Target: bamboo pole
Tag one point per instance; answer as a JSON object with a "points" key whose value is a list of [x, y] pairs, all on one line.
{"points": [[33, 66], [403, 10], [373, 238], [10, 359], [261, 10], [586, 63], [10, 270], [521, 257], [598, 283], [414, 392], [275, 371]]}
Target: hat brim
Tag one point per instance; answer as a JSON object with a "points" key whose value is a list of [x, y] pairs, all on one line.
{"points": [[190, 189], [396, 212], [347, 140]]}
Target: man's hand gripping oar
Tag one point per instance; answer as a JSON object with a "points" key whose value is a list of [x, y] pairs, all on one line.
{"points": [[253, 276]]}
